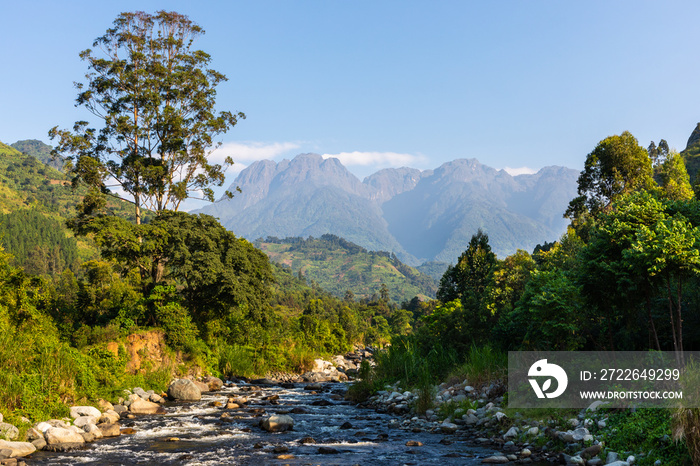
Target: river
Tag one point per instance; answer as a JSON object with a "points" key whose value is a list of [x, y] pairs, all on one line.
{"points": [[340, 434]]}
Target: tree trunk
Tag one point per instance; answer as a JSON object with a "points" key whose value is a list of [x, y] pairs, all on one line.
{"points": [[157, 270], [137, 208], [680, 319], [671, 316], [652, 327]]}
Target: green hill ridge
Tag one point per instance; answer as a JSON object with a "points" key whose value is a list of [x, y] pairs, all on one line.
{"points": [[339, 266]]}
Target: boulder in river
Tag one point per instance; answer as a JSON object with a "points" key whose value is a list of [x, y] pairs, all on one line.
{"points": [[277, 423], [8, 431], [82, 421], [94, 430], [105, 405], [141, 406], [111, 429], [77, 411], [498, 459], [17, 449], [214, 383], [39, 443], [321, 365], [265, 381], [110, 416], [184, 390], [202, 386], [58, 435]]}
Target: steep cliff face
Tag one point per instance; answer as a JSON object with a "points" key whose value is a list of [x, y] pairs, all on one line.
{"points": [[691, 154], [387, 183], [694, 139], [145, 351]]}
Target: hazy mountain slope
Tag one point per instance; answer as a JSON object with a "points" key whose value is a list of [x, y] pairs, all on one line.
{"points": [[430, 215], [544, 196], [307, 196], [387, 183], [437, 218]]}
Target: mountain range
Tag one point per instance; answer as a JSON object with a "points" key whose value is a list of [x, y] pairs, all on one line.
{"points": [[420, 215]]}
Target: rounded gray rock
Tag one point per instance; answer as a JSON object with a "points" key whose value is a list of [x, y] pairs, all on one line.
{"points": [[184, 390], [277, 423]]}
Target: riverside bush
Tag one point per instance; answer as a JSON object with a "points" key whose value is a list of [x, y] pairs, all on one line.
{"points": [[647, 430], [411, 364], [235, 360], [449, 408]]}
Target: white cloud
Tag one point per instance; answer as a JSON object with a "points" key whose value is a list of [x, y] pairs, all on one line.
{"points": [[250, 151], [519, 171], [383, 159]]}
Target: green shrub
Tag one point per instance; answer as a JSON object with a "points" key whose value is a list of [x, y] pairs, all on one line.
{"points": [[648, 431], [686, 421], [426, 398], [448, 409], [175, 320]]}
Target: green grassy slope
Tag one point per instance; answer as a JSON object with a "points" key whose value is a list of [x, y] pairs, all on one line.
{"points": [[337, 266]]}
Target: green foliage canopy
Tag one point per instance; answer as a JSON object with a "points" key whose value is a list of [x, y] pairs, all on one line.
{"points": [[617, 165]]}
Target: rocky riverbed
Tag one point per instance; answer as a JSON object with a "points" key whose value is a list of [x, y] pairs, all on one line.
{"points": [[266, 424], [307, 419]]}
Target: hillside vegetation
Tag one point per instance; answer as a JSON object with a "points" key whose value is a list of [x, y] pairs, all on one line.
{"points": [[36, 199], [339, 266]]}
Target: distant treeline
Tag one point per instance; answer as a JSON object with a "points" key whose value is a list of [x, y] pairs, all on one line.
{"points": [[38, 243]]}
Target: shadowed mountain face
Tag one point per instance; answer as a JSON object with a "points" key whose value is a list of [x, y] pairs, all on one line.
{"points": [[419, 215]]}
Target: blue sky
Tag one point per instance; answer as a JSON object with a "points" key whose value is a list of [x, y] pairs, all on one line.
{"points": [[394, 83]]}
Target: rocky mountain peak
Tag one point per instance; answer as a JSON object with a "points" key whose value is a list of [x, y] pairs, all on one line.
{"points": [[419, 215], [694, 138], [387, 183]]}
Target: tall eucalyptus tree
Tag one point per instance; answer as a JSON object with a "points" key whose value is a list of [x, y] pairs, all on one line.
{"points": [[154, 96]]}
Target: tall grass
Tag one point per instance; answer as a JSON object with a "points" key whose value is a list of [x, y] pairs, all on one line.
{"points": [[406, 362], [236, 361], [299, 359], [415, 367], [482, 365], [246, 361], [685, 419]]}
